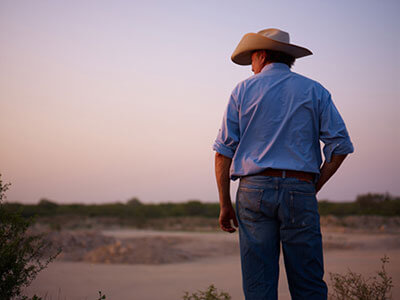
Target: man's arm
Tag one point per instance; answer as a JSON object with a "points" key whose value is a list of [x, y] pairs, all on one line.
{"points": [[328, 169], [227, 213]]}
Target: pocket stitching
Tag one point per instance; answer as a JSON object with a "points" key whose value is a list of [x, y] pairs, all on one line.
{"points": [[259, 192], [303, 193], [292, 208]]}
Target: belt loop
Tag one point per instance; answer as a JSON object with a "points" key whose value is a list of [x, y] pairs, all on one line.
{"points": [[316, 177], [284, 174]]}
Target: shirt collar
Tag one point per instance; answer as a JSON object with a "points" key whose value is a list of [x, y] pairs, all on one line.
{"points": [[276, 66]]}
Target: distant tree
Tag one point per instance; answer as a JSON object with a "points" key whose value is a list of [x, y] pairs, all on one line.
{"points": [[46, 203], [194, 208], [378, 204], [373, 199], [134, 202]]}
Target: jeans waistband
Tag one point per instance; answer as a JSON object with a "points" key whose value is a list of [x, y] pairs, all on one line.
{"points": [[301, 175]]}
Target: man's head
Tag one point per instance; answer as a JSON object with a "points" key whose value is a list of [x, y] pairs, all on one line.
{"points": [[276, 44], [260, 58]]}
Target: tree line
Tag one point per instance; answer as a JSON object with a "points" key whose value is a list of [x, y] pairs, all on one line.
{"points": [[365, 204]]}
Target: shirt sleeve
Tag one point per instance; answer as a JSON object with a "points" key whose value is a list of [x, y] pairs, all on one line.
{"points": [[333, 132], [229, 134]]}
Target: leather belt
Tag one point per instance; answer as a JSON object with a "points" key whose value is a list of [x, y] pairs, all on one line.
{"points": [[305, 176]]}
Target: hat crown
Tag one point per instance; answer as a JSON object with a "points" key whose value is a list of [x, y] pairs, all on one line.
{"points": [[272, 39], [276, 35]]}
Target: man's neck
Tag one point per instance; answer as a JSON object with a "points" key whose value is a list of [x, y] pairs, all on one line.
{"points": [[275, 65]]}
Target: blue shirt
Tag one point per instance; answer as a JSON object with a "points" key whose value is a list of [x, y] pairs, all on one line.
{"points": [[276, 119]]}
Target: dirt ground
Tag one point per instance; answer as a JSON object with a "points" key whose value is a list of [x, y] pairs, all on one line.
{"points": [[143, 264]]}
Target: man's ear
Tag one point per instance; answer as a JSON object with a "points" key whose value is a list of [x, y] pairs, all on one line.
{"points": [[263, 56]]}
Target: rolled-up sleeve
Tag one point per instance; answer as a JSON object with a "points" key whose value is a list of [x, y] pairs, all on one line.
{"points": [[229, 134], [333, 132]]}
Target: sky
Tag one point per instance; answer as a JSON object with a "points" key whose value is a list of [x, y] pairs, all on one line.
{"points": [[102, 101]]}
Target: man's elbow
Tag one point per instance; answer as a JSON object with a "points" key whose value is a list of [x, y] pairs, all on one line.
{"points": [[221, 156], [338, 158], [222, 159]]}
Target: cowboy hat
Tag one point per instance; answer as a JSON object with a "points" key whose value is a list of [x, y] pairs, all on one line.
{"points": [[267, 39]]}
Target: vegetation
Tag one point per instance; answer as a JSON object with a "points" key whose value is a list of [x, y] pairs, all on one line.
{"points": [[22, 256], [353, 286], [132, 209], [211, 293], [367, 204]]}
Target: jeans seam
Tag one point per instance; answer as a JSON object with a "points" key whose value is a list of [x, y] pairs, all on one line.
{"points": [[291, 208], [303, 193]]}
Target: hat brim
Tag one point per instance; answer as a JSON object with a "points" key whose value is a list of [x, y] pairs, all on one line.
{"points": [[253, 41]]}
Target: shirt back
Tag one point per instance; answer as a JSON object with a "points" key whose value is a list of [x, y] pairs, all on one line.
{"points": [[276, 119]]}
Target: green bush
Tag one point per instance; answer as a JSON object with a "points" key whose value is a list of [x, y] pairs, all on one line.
{"points": [[22, 256], [384, 204]]}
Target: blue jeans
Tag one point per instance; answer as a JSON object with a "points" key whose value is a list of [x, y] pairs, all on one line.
{"points": [[271, 210]]}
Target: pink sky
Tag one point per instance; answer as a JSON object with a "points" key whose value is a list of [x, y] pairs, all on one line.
{"points": [[106, 100]]}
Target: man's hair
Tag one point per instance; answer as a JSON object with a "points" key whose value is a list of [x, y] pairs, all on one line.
{"points": [[280, 57]]}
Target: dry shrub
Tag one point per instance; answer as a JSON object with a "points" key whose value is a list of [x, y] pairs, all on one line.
{"points": [[210, 294], [353, 286]]}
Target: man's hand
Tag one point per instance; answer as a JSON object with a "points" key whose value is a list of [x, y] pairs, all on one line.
{"points": [[226, 214], [328, 169]]}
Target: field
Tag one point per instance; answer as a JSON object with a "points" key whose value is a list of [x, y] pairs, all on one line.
{"points": [[190, 254]]}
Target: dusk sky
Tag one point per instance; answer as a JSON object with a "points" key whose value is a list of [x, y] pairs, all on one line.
{"points": [[102, 101]]}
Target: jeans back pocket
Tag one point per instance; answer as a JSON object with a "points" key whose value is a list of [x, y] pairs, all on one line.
{"points": [[249, 202], [303, 209]]}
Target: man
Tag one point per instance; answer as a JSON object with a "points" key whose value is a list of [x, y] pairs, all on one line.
{"points": [[270, 139]]}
